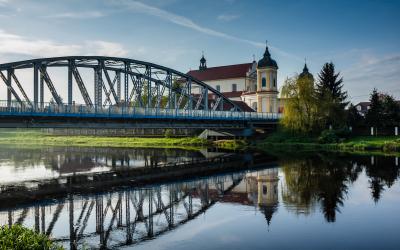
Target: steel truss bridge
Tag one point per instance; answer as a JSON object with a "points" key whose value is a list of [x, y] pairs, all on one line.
{"points": [[121, 92], [122, 217]]}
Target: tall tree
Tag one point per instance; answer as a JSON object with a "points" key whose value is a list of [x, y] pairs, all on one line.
{"points": [[374, 116], [331, 96], [391, 111], [300, 107]]}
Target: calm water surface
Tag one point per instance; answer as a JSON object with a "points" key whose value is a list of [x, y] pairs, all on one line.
{"points": [[319, 201]]}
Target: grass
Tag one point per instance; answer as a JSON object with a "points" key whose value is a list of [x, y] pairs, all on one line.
{"points": [[284, 141], [18, 237], [37, 138], [231, 144]]}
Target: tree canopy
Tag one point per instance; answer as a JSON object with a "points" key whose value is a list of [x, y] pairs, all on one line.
{"points": [[331, 97]]}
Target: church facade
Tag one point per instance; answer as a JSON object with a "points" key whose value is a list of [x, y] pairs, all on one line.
{"points": [[253, 84]]}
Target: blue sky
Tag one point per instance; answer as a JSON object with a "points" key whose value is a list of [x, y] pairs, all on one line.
{"points": [[362, 38]]}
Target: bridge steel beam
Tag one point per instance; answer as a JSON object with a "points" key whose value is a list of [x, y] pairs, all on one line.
{"points": [[70, 65], [144, 73], [36, 84]]}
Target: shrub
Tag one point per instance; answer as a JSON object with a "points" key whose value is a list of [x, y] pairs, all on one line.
{"points": [[168, 133], [18, 237], [328, 136]]}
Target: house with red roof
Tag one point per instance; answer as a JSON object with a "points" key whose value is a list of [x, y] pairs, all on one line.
{"points": [[253, 85]]}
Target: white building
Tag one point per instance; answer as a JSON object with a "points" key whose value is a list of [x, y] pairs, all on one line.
{"points": [[254, 85]]}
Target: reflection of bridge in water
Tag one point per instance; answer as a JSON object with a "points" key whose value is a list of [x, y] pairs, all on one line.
{"points": [[123, 217]]}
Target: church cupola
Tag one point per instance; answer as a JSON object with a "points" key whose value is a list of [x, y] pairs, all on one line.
{"points": [[267, 61], [305, 72], [203, 63]]}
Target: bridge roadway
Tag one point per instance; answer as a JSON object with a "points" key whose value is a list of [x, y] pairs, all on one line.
{"points": [[51, 115]]}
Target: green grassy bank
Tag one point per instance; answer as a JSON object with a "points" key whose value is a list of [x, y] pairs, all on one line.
{"points": [[37, 138], [384, 144]]}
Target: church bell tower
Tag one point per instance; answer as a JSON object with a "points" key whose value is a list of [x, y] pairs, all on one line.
{"points": [[267, 87]]}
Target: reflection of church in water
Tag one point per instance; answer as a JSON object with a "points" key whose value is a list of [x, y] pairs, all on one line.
{"points": [[258, 189]]}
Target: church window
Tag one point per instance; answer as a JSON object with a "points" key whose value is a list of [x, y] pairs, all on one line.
{"points": [[264, 190], [263, 82], [218, 87], [274, 82], [234, 87]]}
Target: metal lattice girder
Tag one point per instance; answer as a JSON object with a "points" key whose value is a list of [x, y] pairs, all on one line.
{"points": [[50, 85], [110, 83], [216, 104], [148, 77], [98, 86], [143, 74], [20, 88], [126, 82], [136, 90], [10, 89], [178, 105], [108, 99], [81, 85], [199, 100]]}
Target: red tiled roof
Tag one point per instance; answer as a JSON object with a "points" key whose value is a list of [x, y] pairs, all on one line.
{"points": [[221, 72], [232, 94]]}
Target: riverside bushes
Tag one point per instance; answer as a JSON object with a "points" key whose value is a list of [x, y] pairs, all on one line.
{"points": [[18, 237]]}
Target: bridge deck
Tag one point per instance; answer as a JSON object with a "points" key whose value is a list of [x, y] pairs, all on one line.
{"points": [[118, 112]]}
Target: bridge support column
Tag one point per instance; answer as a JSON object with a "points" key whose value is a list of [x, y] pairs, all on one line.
{"points": [[126, 86], [70, 82], [205, 99], [98, 84], [41, 89], [35, 85], [169, 84], [148, 77], [9, 71], [118, 75], [189, 89]]}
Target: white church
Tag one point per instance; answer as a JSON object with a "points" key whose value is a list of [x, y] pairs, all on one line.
{"points": [[253, 85]]}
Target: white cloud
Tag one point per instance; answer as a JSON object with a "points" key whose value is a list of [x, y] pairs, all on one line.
{"points": [[107, 48], [12, 44], [370, 72], [78, 15], [139, 7], [3, 2], [227, 17]]}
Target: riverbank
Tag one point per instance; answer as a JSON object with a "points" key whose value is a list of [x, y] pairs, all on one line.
{"points": [[37, 138], [384, 144], [19, 237]]}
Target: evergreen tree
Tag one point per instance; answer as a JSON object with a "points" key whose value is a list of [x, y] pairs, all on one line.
{"points": [[391, 111], [331, 96], [374, 116]]}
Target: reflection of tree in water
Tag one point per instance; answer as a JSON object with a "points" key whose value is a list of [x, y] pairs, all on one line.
{"points": [[326, 179], [382, 172]]}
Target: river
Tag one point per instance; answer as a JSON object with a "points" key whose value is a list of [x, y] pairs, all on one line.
{"points": [[208, 199]]}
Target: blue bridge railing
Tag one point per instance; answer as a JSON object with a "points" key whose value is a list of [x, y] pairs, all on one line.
{"points": [[18, 109]]}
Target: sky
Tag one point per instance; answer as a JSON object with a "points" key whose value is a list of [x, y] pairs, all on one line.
{"points": [[362, 38]]}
